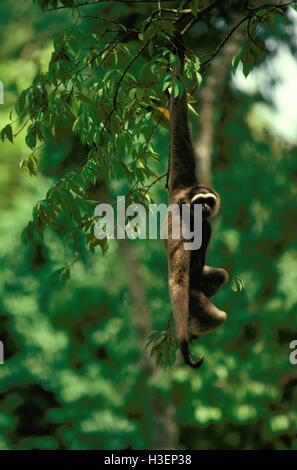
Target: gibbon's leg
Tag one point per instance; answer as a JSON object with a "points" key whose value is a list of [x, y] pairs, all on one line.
{"points": [[179, 293], [204, 316], [212, 279]]}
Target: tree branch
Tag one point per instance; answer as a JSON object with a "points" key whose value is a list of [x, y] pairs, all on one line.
{"points": [[200, 14], [251, 11], [93, 2], [124, 73], [207, 8], [269, 5]]}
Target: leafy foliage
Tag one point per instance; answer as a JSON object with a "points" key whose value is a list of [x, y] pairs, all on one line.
{"points": [[163, 345], [85, 88]]}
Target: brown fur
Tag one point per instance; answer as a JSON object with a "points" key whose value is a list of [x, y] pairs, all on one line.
{"points": [[191, 283]]}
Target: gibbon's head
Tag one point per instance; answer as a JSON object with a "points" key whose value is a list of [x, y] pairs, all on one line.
{"points": [[209, 199], [198, 194]]}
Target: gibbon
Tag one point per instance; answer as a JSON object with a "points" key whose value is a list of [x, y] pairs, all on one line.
{"points": [[191, 282]]}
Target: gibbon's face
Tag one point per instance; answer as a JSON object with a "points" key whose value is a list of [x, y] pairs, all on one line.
{"points": [[207, 198]]}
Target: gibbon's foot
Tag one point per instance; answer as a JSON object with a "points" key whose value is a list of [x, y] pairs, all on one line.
{"points": [[204, 317], [187, 356], [212, 279]]}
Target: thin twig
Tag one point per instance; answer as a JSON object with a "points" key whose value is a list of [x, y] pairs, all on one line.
{"points": [[134, 190], [207, 8], [117, 90], [124, 73], [152, 184], [200, 14], [253, 39], [268, 5], [251, 11], [223, 42]]}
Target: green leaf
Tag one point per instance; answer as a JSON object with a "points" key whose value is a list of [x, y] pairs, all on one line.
{"points": [[30, 234], [32, 165], [24, 236], [150, 48], [175, 89], [197, 64], [56, 274], [39, 227], [151, 337], [104, 245], [166, 85], [21, 102], [164, 26], [193, 110], [31, 137], [248, 60], [237, 284], [235, 62], [199, 79], [194, 6], [7, 132]]}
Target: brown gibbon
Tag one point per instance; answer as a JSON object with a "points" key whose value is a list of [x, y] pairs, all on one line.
{"points": [[191, 282]]}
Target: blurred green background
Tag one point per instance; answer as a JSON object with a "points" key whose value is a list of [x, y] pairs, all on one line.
{"points": [[75, 373]]}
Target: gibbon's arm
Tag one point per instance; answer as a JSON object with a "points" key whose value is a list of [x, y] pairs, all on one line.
{"points": [[182, 162]]}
